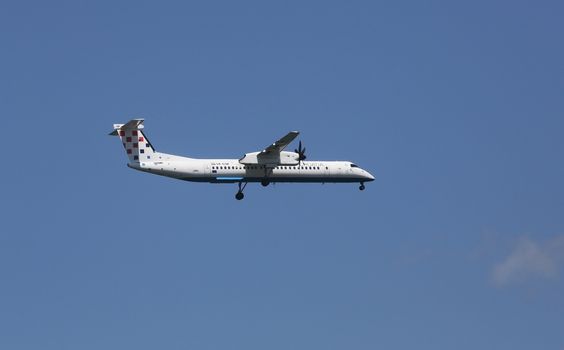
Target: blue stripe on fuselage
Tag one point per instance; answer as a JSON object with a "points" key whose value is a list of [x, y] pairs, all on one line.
{"points": [[296, 179], [227, 178]]}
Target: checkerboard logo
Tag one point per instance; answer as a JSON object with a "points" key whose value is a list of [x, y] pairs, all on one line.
{"points": [[135, 143]]}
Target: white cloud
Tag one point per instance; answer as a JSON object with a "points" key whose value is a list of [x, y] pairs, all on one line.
{"points": [[529, 260]]}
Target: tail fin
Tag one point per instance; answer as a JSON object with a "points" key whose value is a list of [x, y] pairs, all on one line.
{"points": [[136, 145]]}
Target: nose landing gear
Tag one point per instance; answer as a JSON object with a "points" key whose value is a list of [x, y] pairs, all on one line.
{"points": [[240, 195], [361, 187]]}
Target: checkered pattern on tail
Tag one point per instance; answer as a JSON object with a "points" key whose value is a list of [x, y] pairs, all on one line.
{"points": [[134, 141]]}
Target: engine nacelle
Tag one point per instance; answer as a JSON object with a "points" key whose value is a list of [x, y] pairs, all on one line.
{"points": [[283, 158]]}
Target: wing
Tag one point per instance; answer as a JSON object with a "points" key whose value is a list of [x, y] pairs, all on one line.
{"points": [[279, 145]]}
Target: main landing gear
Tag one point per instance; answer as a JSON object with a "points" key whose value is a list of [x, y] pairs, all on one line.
{"points": [[265, 183], [240, 194], [361, 187]]}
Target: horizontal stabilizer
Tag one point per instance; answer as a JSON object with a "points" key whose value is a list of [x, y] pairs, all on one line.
{"points": [[133, 124]]}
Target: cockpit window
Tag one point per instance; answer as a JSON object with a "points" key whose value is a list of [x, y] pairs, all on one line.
{"points": [[354, 166]]}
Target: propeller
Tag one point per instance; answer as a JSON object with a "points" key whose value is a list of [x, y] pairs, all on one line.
{"points": [[301, 153]]}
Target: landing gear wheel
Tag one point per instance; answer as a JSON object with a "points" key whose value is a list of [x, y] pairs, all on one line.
{"points": [[361, 187], [265, 183], [240, 194]]}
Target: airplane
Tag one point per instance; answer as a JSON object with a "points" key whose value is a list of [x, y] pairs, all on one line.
{"points": [[270, 165]]}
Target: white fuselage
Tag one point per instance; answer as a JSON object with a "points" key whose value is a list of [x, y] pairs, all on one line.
{"points": [[231, 170]]}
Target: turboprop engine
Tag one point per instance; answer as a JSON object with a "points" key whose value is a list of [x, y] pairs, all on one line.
{"points": [[282, 158]]}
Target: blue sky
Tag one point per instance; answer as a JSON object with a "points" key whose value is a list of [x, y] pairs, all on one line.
{"points": [[455, 107]]}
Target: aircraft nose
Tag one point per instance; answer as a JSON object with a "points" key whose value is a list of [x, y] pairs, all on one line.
{"points": [[369, 176]]}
